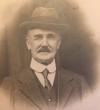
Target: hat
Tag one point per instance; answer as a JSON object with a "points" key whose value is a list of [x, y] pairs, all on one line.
{"points": [[43, 17]]}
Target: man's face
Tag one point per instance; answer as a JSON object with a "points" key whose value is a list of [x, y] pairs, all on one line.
{"points": [[43, 44]]}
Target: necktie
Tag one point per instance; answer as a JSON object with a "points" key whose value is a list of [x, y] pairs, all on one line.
{"points": [[47, 82]]}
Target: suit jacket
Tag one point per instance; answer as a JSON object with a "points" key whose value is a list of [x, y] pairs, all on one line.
{"points": [[25, 91]]}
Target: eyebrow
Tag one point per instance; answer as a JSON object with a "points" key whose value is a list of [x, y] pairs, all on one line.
{"points": [[38, 34]]}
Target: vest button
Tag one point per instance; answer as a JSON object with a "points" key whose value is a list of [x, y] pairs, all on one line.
{"points": [[49, 100]]}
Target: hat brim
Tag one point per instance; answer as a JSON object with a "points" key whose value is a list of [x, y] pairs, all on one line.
{"points": [[52, 26]]}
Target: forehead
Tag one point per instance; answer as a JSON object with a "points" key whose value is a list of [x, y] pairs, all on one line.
{"points": [[41, 31]]}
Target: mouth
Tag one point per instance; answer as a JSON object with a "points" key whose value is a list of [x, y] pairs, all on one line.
{"points": [[44, 54], [45, 50]]}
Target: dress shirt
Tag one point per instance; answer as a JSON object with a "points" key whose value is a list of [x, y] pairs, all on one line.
{"points": [[39, 68]]}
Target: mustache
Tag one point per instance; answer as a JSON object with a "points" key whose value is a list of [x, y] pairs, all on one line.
{"points": [[44, 49]]}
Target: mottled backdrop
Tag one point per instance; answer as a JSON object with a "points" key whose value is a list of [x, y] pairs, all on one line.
{"points": [[81, 46]]}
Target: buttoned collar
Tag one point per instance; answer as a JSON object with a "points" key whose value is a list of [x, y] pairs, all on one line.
{"points": [[38, 67]]}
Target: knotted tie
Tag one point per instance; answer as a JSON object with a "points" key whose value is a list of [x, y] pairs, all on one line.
{"points": [[47, 82]]}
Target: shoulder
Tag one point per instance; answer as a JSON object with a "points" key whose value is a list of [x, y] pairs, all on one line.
{"points": [[6, 83], [67, 74], [6, 88], [76, 80], [11, 80]]}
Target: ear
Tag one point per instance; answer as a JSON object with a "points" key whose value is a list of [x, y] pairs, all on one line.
{"points": [[58, 45], [28, 44]]}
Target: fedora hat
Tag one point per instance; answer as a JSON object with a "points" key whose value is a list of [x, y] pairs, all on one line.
{"points": [[43, 17]]}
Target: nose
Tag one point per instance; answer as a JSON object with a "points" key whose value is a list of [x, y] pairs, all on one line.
{"points": [[44, 41]]}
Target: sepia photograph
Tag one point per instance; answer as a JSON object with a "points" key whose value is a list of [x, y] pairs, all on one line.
{"points": [[49, 55]]}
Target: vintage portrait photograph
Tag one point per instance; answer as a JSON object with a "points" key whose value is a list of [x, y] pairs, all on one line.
{"points": [[49, 55]]}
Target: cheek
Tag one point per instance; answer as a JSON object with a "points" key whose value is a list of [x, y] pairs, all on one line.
{"points": [[32, 44], [54, 45]]}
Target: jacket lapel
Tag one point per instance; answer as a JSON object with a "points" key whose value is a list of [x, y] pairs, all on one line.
{"points": [[65, 87], [30, 88]]}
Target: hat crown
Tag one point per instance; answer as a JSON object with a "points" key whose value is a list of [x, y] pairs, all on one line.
{"points": [[44, 12], [46, 18]]}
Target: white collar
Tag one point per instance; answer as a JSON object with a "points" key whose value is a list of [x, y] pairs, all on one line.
{"points": [[38, 67]]}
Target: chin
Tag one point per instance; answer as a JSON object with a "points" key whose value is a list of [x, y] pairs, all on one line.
{"points": [[45, 56], [45, 60]]}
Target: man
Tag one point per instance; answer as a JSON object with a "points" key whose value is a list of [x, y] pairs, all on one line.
{"points": [[44, 85]]}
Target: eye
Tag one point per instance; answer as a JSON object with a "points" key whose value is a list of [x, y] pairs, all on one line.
{"points": [[51, 36], [37, 36]]}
